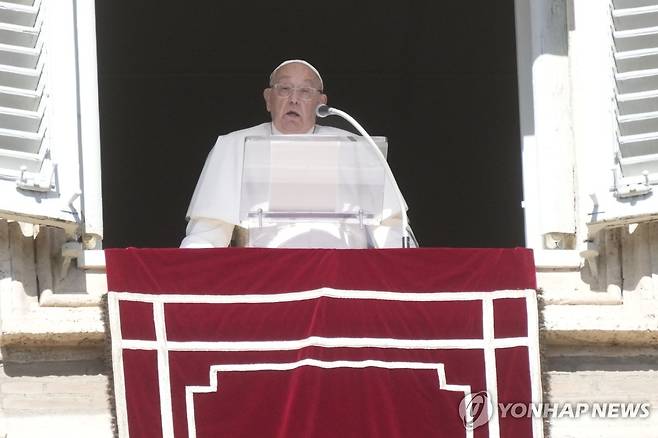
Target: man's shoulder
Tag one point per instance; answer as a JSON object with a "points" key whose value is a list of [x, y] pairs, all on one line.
{"points": [[262, 129]]}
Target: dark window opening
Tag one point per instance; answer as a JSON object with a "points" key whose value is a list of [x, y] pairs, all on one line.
{"points": [[437, 78]]}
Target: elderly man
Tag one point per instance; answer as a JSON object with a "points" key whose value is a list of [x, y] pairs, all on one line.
{"points": [[295, 91]]}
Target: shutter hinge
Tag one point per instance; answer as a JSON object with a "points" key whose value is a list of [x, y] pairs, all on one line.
{"points": [[40, 182], [625, 189]]}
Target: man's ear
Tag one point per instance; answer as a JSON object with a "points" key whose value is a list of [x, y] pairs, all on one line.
{"points": [[323, 99], [266, 95]]}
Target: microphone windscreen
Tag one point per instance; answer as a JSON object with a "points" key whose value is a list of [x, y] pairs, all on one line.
{"points": [[322, 110]]}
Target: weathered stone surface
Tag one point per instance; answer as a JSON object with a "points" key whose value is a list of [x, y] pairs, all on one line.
{"points": [[603, 374], [66, 397], [22, 387], [79, 425], [633, 323], [31, 267]]}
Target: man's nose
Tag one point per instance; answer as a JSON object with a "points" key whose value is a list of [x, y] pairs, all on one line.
{"points": [[294, 96]]}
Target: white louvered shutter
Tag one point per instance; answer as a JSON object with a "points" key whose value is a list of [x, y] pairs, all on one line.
{"points": [[635, 31], [23, 145], [628, 194], [40, 100]]}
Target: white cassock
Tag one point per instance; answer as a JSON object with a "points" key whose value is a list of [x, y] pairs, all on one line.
{"points": [[215, 207]]}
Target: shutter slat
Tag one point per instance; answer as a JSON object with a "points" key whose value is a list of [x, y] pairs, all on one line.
{"points": [[637, 165], [20, 36], [644, 59], [638, 123], [21, 99], [624, 4], [21, 120], [19, 56], [638, 147], [21, 2], [622, 35], [16, 77], [13, 161], [20, 15], [637, 81], [21, 141], [636, 21], [649, 8], [646, 103]]}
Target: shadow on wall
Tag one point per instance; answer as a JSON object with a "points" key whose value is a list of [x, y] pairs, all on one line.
{"points": [[61, 362], [628, 259]]}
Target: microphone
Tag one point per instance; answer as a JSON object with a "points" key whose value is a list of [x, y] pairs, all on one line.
{"points": [[323, 110]]}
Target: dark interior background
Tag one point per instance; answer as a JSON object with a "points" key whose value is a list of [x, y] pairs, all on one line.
{"points": [[437, 78]]}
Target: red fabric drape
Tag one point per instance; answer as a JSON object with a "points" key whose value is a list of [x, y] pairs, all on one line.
{"points": [[382, 390], [254, 270]]}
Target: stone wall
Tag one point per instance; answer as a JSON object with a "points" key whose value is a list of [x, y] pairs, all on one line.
{"points": [[54, 392], [53, 374], [600, 339]]}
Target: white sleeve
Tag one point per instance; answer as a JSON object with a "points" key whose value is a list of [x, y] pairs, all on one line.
{"points": [[207, 233], [389, 233]]}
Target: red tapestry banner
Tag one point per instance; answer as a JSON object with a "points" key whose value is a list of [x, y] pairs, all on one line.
{"points": [[261, 343]]}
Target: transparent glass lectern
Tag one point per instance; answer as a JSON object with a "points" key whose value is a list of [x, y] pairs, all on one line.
{"points": [[315, 191]]}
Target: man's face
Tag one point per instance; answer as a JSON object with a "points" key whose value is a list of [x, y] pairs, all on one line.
{"points": [[294, 114]]}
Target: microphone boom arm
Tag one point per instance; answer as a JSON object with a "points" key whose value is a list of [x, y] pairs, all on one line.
{"points": [[324, 111]]}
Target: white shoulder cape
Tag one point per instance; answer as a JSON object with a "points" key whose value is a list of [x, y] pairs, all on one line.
{"points": [[217, 193]]}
